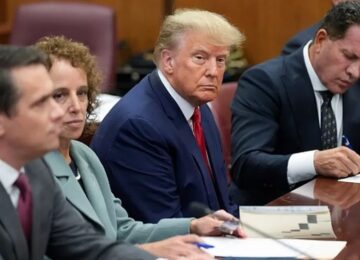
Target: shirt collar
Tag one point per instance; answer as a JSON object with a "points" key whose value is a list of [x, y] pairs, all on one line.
{"points": [[186, 108], [315, 81], [8, 175]]}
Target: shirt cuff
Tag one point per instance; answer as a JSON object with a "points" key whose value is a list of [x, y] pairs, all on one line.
{"points": [[301, 167]]}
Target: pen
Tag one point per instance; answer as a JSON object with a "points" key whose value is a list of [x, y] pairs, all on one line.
{"points": [[203, 245], [346, 142]]}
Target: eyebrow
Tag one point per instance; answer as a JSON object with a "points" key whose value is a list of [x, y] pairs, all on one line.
{"points": [[41, 99]]}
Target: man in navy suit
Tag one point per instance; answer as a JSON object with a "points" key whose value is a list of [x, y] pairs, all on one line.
{"points": [[276, 134], [304, 36], [147, 143]]}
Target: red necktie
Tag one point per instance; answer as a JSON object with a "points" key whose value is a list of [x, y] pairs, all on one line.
{"points": [[199, 137], [24, 204]]}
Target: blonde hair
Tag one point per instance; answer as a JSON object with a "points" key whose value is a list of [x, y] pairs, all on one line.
{"points": [[219, 30]]}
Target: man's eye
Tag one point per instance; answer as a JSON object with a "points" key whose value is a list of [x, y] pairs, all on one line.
{"points": [[221, 60], [350, 56], [199, 59]]}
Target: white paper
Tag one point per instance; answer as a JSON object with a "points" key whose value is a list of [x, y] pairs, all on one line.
{"points": [[354, 179], [303, 222], [264, 247]]}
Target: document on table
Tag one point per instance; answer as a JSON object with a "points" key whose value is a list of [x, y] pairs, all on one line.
{"points": [[354, 179], [306, 222], [264, 247]]}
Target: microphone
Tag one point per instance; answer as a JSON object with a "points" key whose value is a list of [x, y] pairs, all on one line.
{"points": [[199, 210]]}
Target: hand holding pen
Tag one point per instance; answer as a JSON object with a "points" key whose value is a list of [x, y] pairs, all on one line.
{"points": [[345, 142], [338, 162], [179, 247]]}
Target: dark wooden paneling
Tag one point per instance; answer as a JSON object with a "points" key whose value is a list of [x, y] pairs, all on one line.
{"points": [[267, 24]]}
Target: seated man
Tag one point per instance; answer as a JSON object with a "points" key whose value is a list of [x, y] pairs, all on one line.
{"points": [[80, 174], [35, 218], [290, 114], [159, 157]]}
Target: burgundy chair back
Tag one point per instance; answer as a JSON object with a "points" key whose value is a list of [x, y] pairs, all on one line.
{"points": [[94, 25], [221, 110]]}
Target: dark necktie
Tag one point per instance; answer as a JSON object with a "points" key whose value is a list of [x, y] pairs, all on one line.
{"points": [[199, 137], [24, 204], [328, 122]]}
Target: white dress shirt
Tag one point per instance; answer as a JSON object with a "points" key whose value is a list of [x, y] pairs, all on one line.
{"points": [[8, 176], [186, 108], [301, 165]]}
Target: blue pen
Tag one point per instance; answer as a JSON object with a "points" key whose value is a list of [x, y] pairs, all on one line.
{"points": [[346, 142], [203, 245]]}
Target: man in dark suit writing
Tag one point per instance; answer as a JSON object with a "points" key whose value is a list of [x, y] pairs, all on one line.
{"points": [[292, 114], [159, 144], [35, 218]]}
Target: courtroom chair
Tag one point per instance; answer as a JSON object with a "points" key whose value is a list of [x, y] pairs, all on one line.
{"points": [[221, 110], [93, 25]]}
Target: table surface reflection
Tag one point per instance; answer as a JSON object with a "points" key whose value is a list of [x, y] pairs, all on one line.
{"points": [[343, 200]]}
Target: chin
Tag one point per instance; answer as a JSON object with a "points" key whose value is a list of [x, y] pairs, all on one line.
{"points": [[53, 146], [209, 99]]}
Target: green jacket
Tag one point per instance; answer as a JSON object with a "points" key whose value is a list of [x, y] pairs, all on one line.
{"points": [[99, 206]]}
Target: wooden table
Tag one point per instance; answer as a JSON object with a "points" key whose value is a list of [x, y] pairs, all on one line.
{"points": [[343, 200]]}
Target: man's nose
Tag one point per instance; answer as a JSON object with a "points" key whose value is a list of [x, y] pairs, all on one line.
{"points": [[212, 67], [57, 112], [354, 70]]}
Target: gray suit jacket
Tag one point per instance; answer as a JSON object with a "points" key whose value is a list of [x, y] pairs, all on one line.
{"points": [[57, 229], [99, 206]]}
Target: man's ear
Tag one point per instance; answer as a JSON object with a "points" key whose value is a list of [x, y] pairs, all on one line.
{"points": [[167, 61], [2, 121], [320, 37]]}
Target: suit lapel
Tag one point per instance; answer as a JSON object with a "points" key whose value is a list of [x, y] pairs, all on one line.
{"points": [[93, 190], [213, 147], [10, 222], [70, 186], [38, 218], [174, 113], [302, 101]]}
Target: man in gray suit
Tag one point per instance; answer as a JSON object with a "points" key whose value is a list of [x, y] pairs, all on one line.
{"points": [[35, 218]]}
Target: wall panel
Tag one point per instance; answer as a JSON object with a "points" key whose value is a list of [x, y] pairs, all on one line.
{"points": [[267, 24]]}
